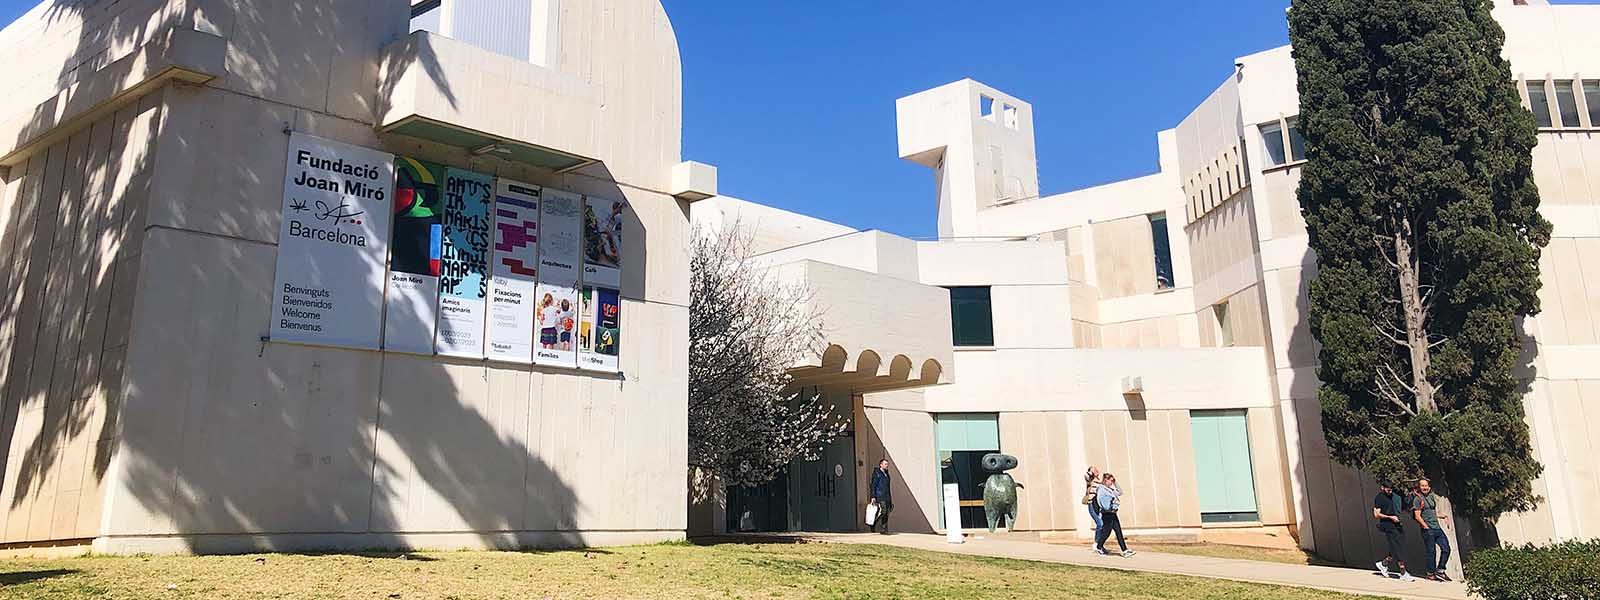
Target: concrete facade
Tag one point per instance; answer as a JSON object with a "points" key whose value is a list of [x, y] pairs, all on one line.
{"points": [[1080, 307], [142, 156]]}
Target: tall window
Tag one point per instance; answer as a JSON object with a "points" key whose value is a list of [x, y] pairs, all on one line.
{"points": [[1272, 139], [1540, 103], [1297, 144], [1162, 247], [1567, 103], [1224, 327], [1591, 97], [971, 316]]}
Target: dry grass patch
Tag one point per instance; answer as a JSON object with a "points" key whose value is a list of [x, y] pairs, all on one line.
{"points": [[662, 571]]}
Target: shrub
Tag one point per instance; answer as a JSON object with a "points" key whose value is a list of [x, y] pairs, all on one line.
{"points": [[1565, 571]]}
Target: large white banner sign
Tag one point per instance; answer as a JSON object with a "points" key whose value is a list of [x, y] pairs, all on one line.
{"points": [[332, 244], [516, 240]]}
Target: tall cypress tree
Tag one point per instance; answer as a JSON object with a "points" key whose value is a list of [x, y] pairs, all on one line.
{"points": [[1419, 199]]}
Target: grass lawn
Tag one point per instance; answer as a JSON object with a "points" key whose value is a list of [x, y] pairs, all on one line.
{"points": [[661, 571], [1290, 557]]}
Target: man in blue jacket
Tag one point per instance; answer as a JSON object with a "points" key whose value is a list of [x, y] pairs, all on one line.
{"points": [[880, 496]]}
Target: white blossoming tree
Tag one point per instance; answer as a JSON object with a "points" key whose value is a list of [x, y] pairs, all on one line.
{"points": [[747, 421]]}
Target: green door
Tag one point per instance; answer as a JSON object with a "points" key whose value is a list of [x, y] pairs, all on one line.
{"points": [[1222, 466], [960, 441]]}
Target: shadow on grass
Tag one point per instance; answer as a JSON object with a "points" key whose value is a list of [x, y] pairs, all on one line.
{"points": [[21, 577], [746, 539]]}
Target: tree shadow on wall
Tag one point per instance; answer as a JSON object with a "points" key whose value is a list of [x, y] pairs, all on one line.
{"points": [[224, 434]]}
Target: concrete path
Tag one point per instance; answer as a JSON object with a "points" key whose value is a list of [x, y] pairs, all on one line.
{"points": [[1351, 581]]}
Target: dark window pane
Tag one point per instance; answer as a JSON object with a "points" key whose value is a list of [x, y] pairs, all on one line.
{"points": [[1297, 144], [1272, 139], [1540, 103], [1591, 97], [1567, 101], [1163, 251], [971, 316]]}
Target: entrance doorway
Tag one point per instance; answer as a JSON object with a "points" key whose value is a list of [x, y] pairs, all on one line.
{"points": [[960, 441], [811, 495]]}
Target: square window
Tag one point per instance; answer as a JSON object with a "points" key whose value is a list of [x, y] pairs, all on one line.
{"points": [[1011, 116], [425, 16], [986, 106], [1539, 102], [1272, 141], [971, 316]]}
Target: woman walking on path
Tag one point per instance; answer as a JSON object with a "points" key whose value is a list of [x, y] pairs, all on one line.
{"points": [[1091, 499], [1110, 500]]}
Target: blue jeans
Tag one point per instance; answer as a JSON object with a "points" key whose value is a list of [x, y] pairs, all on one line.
{"points": [[1435, 539], [1095, 515]]}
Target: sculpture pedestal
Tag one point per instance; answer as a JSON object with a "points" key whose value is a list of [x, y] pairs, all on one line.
{"points": [[952, 513]]}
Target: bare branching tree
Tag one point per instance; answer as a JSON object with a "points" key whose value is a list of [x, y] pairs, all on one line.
{"points": [[747, 421]]}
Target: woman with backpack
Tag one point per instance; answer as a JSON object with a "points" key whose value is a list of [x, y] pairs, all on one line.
{"points": [[1091, 495], [1109, 497]]}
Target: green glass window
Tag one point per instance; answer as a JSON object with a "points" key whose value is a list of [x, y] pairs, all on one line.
{"points": [[971, 316]]}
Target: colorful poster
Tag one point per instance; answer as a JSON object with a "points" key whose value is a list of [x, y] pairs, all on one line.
{"points": [[516, 237], [600, 332], [560, 237], [556, 314], [411, 304], [602, 241], [464, 263], [332, 244]]}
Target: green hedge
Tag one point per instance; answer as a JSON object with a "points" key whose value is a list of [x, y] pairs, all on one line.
{"points": [[1565, 571]]}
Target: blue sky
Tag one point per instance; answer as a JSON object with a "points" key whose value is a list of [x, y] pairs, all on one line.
{"points": [[794, 101]]}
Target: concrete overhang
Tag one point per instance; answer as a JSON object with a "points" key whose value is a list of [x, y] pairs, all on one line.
{"points": [[178, 54], [693, 181], [449, 92], [881, 333]]}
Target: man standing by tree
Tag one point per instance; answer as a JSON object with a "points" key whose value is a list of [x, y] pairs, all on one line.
{"points": [[1425, 509], [1387, 507], [1419, 199]]}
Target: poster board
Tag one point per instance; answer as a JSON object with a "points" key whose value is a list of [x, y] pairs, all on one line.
{"points": [[556, 317], [464, 263], [510, 332], [411, 302], [603, 224], [600, 331]]}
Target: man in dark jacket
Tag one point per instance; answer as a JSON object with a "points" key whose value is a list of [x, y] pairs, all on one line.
{"points": [[880, 496]]}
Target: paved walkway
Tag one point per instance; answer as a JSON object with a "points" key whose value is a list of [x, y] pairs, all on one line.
{"points": [[1351, 581]]}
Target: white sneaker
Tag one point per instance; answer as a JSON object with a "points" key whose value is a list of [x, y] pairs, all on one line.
{"points": [[1383, 569], [1404, 576], [1127, 553], [1099, 552]]}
